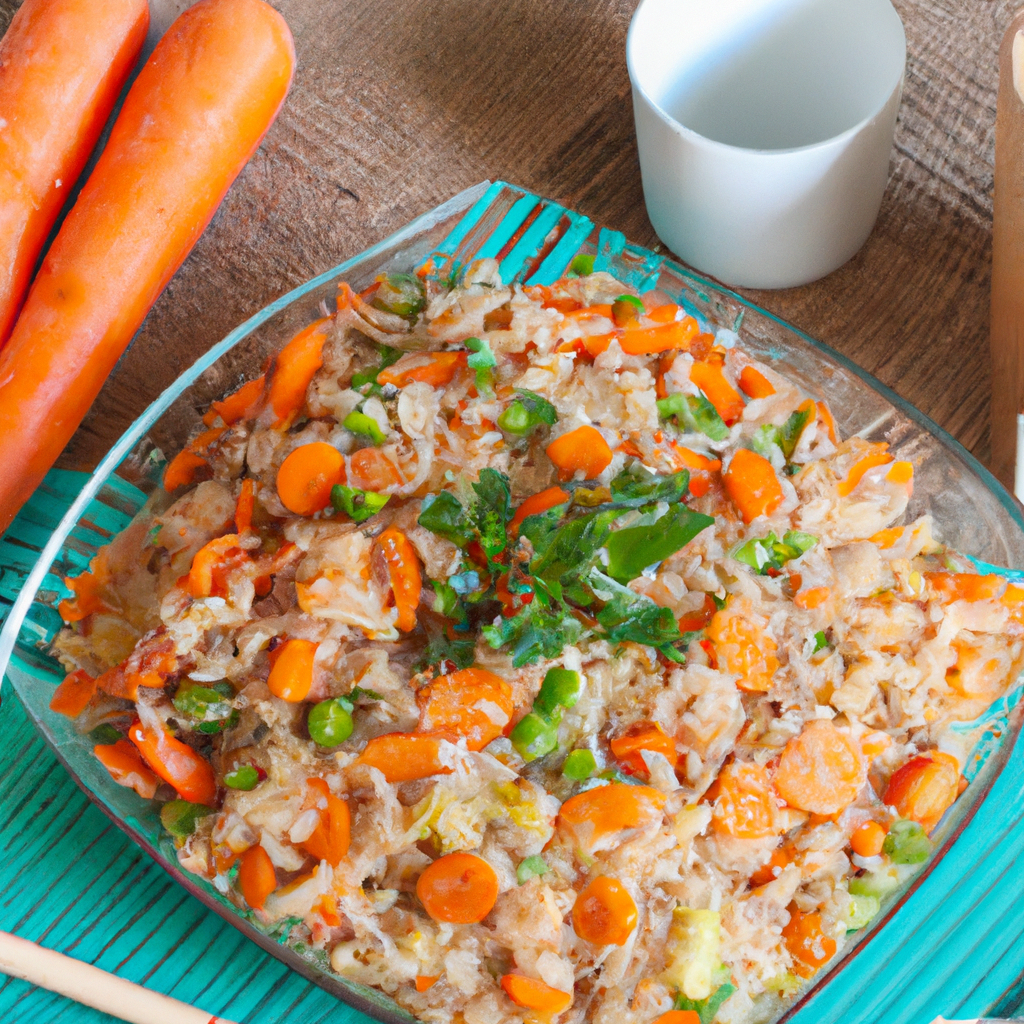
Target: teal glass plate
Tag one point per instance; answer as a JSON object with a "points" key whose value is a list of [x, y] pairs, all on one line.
{"points": [[951, 942]]}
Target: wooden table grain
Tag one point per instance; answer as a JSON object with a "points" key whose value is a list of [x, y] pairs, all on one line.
{"points": [[397, 106]]}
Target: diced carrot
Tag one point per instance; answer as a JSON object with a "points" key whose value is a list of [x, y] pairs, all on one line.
{"points": [[673, 336], [825, 414], [330, 839], [867, 839], [754, 384], [72, 696], [181, 470], [459, 888], [924, 788], [291, 673], [885, 539], [150, 665], [874, 743], [532, 994], [588, 312], [594, 344], [470, 703], [745, 804], [901, 473], [292, 370], [244, 506], [88, 591], [256, 876], [434, 368], [718, 391], [694, 460], [964, 586], [425, 981], [582, 449], [741, 646], [664, 314], [809, 946], [537, 503], [628, 748], [679, 1017], [598, 815], [698, 620], [813, 597], [751, 483], [404, 757], [604, 912], [240, 404], [404, 573], [212, 562], [778, 861], [127, 768], [857, 471], [307, 475], [176, 763], [372, 470], [821, 770]]}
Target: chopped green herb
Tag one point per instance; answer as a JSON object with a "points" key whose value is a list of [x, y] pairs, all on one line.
{"points": [[632, 549], [561, 689], [695, 413], [636, 486], [527, 411], [706, 1009], [534, 632], [441, 651], [361, 693], [531, 867], [628, 615], [483, 361], [579, 765], [388, 357], [208, 707], [180, 817], [443, 514], [764, 553], [360, 423], [105, 733], [907, 843], [401, 294], [492, 511], [535, 735], [582, 264], [820, 641], [244, 777], [330, 722], [358, 505], [791, 430]]}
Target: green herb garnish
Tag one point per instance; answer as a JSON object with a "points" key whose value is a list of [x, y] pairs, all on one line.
{"points": [[360, 423], [358, 505], [527, 412]]}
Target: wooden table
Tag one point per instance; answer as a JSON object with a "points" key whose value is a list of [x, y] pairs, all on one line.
{"points": [[398, 105]]}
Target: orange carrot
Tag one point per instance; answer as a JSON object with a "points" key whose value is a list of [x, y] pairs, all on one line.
{"points": [[425, 981], [663, 314], [867, 839], [628, 748], [330, 839], [717, 390], [181, 470], [825, 413], [679, 1017], [192, 119], [72, 697], [151, 663], [697, 620], [458, 888], [256, 876], [694, 460], [292, 369], [964, 586], [677, 335], [745, 804], [434, 368], [307, 475], [806, 942], [581, 449], [88, 597], [537, 503], [857, 471], [466, 704], [291, 673], [770, 871], [211, 564], [813, 597], [754, 384], [127, 768], [404, 573], [64, 63], [176, 763], [751, 483], [821, 770], [404, 757], [604, 912], [238, 405], [924, 788], [244, 506], [371, 470], [741, 646], [596, 816], [532, 994], [900, 473]]}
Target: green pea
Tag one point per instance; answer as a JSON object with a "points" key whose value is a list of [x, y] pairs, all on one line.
{"points": [[579, 765], [561, 688], [516, 419], [907, 843], [244, 777], [180, 817], [329, 723], [583, 264], [531, 867], [535, 736]]}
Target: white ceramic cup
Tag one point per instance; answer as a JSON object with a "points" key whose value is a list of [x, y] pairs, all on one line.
{"points": [[765, 129]]}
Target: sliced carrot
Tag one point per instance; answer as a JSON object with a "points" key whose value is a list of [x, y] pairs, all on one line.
{"points": [[874, 743], [744, 807], [244, 506], [718, 391], [331, 838], [425, 981], [694, 460], [604, 912], [240, 404], [809, 946], [924, 788], [754, 384], [679, 1017], [664, 314], [72, 696], [887, 538], [211, 564], [256, 876], [751, 483], [821, 770], [181, 470], [471, 703], [371, 470], [127, 768], [307, 475], [459, 888], [628, 748], [582, 449], [812, 598], [673, 336], [291, 674], [404, 573], [859, 468], [404, 757], [825, 413], [597, 815], [150, 665], [867, 839], [589, 312], [293, 369], [176, 763], [901, 473], [741, 646], [964, 586], [434, 368], [532, 994], [537, 503]]}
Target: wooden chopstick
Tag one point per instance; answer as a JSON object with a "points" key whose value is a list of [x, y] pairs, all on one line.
{"points": [[94, 987]]}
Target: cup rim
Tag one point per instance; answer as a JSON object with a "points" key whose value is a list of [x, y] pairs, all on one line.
{"points": [[681, 129]]}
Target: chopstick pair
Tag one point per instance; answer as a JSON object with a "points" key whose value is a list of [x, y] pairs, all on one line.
{"points": [[94, 987]]}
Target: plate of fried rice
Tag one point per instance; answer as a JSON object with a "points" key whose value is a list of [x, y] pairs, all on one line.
{"points": [[550, 645]]}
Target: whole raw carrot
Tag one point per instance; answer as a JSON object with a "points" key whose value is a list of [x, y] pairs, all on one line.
{"points": [[191, 120], [62, 65]]}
